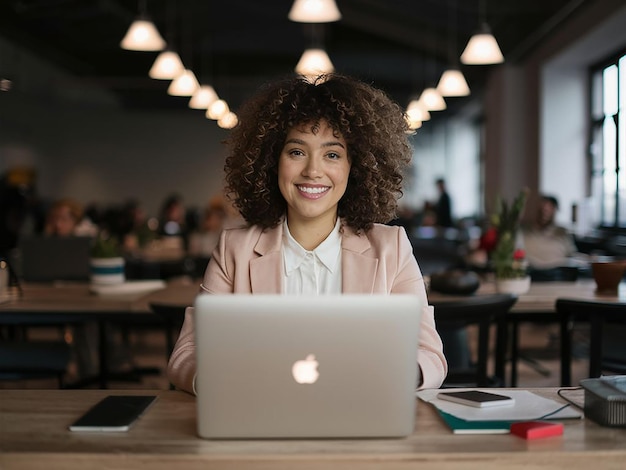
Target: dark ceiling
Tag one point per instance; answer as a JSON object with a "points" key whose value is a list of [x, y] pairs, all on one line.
{"points": [[235, 45]]}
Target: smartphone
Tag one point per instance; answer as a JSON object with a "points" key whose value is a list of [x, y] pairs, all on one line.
{"points": [[476, 398], [115, 413]]}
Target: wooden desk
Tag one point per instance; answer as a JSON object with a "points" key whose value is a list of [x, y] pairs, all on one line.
{"points": [[34, 435]]}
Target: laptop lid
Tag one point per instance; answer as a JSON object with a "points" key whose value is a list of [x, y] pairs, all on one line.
{"points": [[278, 366], [47, 259]]}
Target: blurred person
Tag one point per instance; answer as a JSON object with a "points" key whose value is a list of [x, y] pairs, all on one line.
{"points": [[65, 218], [443, 206], [547, 244], [203, 241], [316, 169]]}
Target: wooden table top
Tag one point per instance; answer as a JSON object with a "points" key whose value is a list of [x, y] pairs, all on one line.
{"points": [[77, 298], [34, 434]]}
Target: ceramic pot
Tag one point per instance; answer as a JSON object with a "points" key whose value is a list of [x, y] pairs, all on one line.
{"points": [[107, 270], [516, 286], [608, 275]]}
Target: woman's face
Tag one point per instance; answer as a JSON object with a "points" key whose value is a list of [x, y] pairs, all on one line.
{"points": [[313, 172]]}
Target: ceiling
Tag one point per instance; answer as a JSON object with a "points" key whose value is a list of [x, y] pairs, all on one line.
{"points": [[235, 45]]}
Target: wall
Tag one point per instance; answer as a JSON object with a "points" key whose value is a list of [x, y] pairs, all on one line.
{"points": [[543, 149], [85, 146]]}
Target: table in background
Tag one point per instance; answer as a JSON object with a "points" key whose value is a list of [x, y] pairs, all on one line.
{"points": [[74, 303], [535, 306], [34, 434]]}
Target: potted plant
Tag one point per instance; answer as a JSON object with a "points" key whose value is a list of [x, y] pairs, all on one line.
{"points": [[107, 263], [506, 259]]}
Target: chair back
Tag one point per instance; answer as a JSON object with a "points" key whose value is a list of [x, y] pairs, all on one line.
{"points": [[598, 314], [452, 318]]}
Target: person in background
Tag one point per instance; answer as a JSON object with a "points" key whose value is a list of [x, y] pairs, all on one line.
{"points": [[315, 170], [203, 241], [65, 218], [548, 246], [443, 206]]}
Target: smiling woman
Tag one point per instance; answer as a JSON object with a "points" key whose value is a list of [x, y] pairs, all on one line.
{"points": [[316, 169]]}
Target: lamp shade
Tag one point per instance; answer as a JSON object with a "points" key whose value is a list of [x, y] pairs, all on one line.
{"points": [[416, 111], [142, 36], [432, 100], [314, 11], [203, 97], [167, 66], [482, 49], [228, 120], [314, 62], [184, 85], [452, 83], [217, 110]]}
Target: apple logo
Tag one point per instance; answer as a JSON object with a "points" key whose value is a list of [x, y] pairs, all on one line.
{"points": [[305, 371]]}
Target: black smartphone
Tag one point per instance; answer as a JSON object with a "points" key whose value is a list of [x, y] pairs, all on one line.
{"points": [[476, 398], [116, 413]]}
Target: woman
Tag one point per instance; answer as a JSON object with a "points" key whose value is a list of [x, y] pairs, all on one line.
{"points": [[314, 169]]}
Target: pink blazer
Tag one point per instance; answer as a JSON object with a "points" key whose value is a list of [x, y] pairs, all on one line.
{"points": [[249, 260]]}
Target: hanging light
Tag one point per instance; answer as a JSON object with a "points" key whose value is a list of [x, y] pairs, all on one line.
{"points": [[314, 62], [203, 97], [184, 84], [432, 100], [482, 49], [167, 66], [417, 111], [228, 120], [142, 34], [217, 110], [314, 11], [452, 83]]}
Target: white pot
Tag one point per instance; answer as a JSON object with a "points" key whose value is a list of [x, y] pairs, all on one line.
{"points": [[516, 286], [107, 270]]}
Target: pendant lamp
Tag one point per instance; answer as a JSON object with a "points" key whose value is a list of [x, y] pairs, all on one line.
{"points": [[482, 49], [453, 83], [314, 11], [432, 100], [217, 110], [167, 66], [142, 34], [203, 97], [416, 110], [228, 121], [314, 62], [183, 85]]}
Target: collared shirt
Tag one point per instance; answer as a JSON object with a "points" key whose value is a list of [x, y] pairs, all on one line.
{"points": [[312, 272]]}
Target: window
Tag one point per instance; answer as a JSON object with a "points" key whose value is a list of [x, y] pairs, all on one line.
{"points": [[608, 141]]}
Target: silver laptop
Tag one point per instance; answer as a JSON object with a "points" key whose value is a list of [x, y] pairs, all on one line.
{"points": [[335, 366]]}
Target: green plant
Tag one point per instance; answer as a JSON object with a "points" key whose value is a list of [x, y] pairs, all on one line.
{"points": [[507, 260], [105, 246]]}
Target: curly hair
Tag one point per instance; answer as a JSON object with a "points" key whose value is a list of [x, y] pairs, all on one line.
{"points": [[373, 126]]}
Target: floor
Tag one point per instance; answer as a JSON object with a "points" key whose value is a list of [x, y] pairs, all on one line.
{"points": [[538, 368]]}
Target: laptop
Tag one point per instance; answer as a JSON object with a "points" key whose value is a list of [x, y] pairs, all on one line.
{"points": [[48, 259], [279, 366]]}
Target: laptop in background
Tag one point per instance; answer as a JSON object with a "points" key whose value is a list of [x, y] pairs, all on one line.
{"points": [[47, 259], [355, 356]]}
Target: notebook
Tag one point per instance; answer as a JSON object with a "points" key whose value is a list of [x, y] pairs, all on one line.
{"points": [[278, 366], [47, 259]]}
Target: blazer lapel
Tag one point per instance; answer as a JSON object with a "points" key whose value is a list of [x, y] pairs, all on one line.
{"points": [[266, 271], [358, 271]]}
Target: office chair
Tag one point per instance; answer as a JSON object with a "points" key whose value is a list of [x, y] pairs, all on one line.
{"points": [[599, 314], [452, 319]]}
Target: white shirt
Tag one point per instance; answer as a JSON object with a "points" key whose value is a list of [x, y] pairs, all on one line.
{"points": [[312, 272]]}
